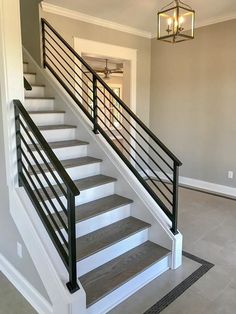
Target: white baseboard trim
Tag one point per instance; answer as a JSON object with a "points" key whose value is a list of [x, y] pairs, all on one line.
{"points": [[208, 186], [199, 184], [37, 301]]}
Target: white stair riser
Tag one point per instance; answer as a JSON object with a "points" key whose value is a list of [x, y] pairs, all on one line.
{"points": [[25, 67], [103, 220], [75, 173], [71, 152], [31, 78], [62, 153], [119, 295], [58, 135], [87, 195], [111, 252], [39, 104], [48, 118], [37, 91], [100, 221]]}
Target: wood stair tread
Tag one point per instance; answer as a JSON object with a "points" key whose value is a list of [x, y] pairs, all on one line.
{"points": [[82, 184], [37, 85], [100, 239], [63, 144], [70, 163], [103, 280], [40, 98], [46, 111], [29, 73], [95, 208], [56, 127]]}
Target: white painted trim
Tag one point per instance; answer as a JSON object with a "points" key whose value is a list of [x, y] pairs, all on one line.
{"points": [[208, 186], [38, 302], [84, 46], [200, 184], [215, 20], [50, 8]]}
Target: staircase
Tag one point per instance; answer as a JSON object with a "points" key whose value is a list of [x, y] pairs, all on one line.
{"points": [[114, 254]]}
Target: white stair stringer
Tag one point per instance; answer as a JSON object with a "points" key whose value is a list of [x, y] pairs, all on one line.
{"points": [[143, 208], [46, 259]]}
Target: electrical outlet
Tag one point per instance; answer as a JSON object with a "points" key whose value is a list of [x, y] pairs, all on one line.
{"points": [[230, 175], [19, 250]]}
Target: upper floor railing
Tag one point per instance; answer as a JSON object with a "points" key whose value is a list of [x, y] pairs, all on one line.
{"points": [[153, 164]]}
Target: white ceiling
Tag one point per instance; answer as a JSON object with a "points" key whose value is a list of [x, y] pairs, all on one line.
{"points": [[141, 14]]}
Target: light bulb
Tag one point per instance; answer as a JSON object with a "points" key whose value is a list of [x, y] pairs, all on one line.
{"points": [[181, 20], [169, 21]]}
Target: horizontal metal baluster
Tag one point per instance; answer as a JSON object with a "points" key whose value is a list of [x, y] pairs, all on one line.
{"points": [[47, 149], [51, 170], [146, 141], [123, 127], [69, 73], [134, 170], [123, 105], [44, 204], [153, 182], [46, 178], [47, 57], [76, 73], [43, 216], [69, 56], [72, 95], [45, 192]]}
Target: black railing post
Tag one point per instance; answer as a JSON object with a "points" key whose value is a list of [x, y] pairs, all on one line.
{"points": [[95, 105], [174, 228], [43, 44], [72, 285], [18, 145]]}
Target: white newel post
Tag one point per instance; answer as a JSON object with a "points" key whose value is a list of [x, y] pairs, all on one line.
{"points": [[11, 78]]}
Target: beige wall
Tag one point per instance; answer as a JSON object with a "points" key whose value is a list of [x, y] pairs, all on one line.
{"points": [[70, 28], [193, 107], [30, 27]]}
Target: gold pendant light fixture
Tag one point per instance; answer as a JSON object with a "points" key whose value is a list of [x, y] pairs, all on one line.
{"points": [[176, 22]]}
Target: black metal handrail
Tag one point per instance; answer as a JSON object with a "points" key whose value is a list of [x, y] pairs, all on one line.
{"points": [[27, 85], [55, 215], [154, 165]]}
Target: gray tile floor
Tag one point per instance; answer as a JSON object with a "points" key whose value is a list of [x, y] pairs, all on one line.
{"points": [[11, 301], [208, 224]]}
